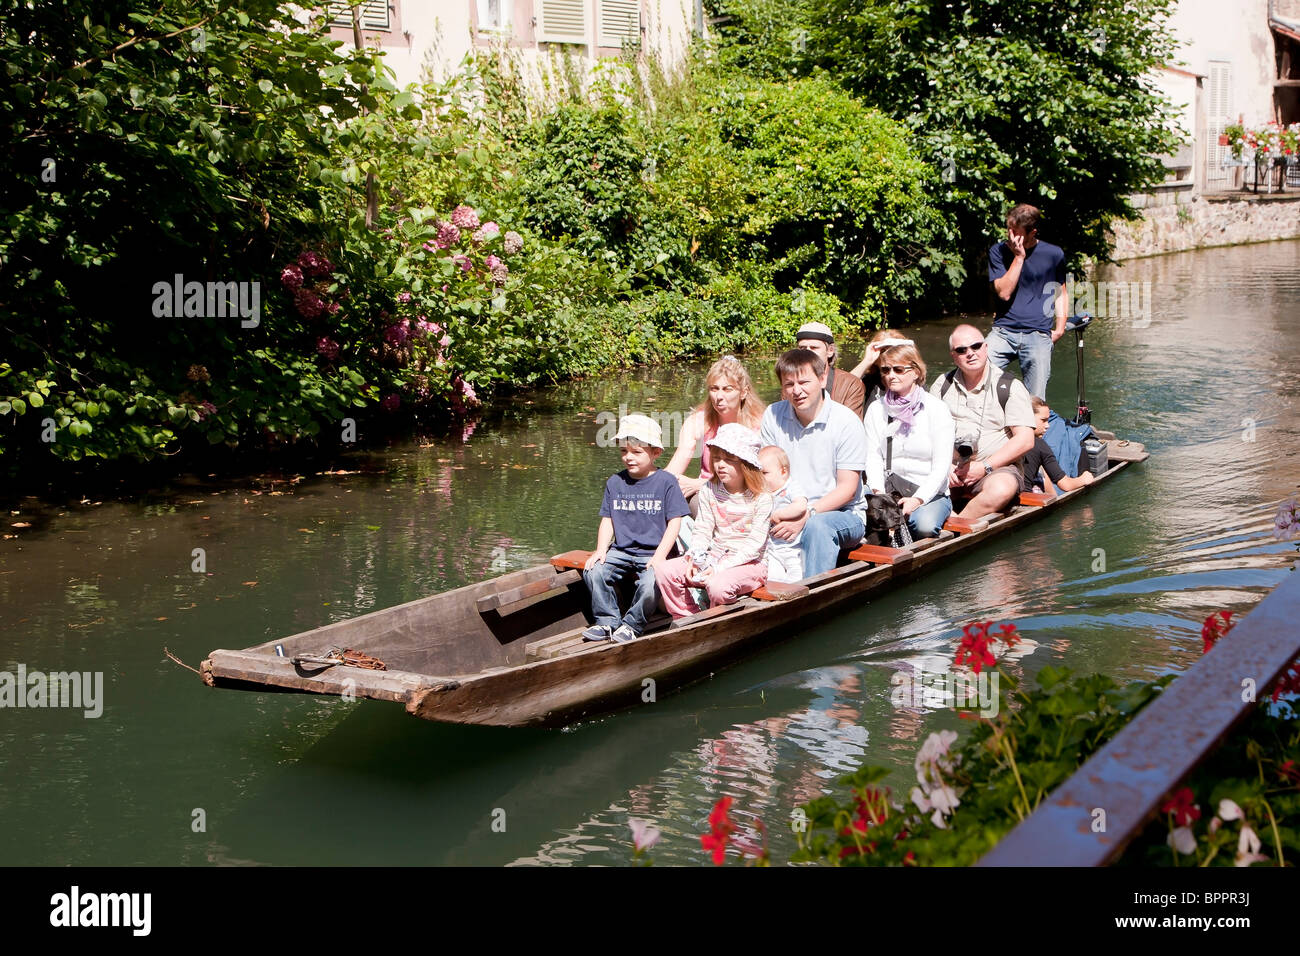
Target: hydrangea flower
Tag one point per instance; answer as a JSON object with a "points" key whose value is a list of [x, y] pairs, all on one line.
{"points": [[205, 409], [403, 297], [464, 263], [464, 217], [498, 269], [448, 234], [486, 231], [397, 333], [308, 303], [291, 277], [327, 347], [314, 264], [445, 341], [391, 402], [514, 242]]}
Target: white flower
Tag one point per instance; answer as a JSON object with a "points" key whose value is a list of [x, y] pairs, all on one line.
{"points": [[1248, 847], [1229, 810], [944, 799], [1182, 840], [644, 836]]}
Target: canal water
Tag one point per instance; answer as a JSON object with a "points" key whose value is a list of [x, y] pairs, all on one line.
{"points": [[1205, 372]]}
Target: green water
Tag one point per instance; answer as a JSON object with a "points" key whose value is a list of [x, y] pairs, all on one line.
{"points": [[1211, 385]]}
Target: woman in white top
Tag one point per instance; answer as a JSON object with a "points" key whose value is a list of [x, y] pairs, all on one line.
{"points": [[922, 432]]}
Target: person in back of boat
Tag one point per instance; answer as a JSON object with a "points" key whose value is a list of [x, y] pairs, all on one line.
{"points": [[731, 399], [1033, 304], [909, 442], [827, 447], [727, 550], [994, 426], [842, 387], [789, 503], [639, 518], [1041, 458], [868, 369]]}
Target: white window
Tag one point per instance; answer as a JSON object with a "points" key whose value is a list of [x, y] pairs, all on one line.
{"points": [[562, 21], [618, 22], [374, 14], [495, 16], [1217, 118]]}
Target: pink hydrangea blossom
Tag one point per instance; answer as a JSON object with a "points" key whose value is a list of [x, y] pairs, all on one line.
{"points": [[425, 327], [448, 234], [486, 231], [498, 269], [397, 333], [464, 263], [514, 242], [308, 303], [314, 264], [291, 277], [333, 308], [444, 341], [467, 390], [464, 217], [327, 347], [403, 297], [205, 409]]}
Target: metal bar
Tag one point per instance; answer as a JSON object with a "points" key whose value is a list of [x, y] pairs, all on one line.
{"points": [[1130, 776]]}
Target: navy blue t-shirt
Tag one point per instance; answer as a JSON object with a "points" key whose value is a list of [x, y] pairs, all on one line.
{"points": [[641, 509], [1032, 308]]}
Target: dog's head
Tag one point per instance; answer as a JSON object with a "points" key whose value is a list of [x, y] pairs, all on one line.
{"points": [[883, 513]]}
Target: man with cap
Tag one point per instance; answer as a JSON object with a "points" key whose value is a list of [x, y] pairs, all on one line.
{"points": [[845, 389], [639, 518], [827, 447]]}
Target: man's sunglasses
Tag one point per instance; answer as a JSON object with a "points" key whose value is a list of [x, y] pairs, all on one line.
{"points": [[963, 349], [894, 369]]}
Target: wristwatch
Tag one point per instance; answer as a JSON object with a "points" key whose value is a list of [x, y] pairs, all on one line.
{"points": [[812, 510], [987, 470]]}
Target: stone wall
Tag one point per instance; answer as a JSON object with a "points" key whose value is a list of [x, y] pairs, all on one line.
{"points": [[1218, 221]]}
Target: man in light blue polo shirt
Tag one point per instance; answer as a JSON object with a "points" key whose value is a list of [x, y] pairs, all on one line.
{"points": [[827, 447]]}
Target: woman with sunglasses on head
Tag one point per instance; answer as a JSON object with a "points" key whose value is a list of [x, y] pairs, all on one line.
{"points": [[909, 442], [868, 368]]}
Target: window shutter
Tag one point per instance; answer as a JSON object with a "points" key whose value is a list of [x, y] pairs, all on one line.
{"points": [[374, 14], [1216, 120], [618, 22], [562, 21]]}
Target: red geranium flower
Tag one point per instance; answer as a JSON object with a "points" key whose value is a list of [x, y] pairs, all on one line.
{"points": [[1216, 625], [720, 830], [1009, 635], [1182, 807], [1289, 771], [1289, 682], [974, 647]]}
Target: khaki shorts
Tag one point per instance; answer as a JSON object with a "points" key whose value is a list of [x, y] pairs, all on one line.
{"points": [[966, 494]]}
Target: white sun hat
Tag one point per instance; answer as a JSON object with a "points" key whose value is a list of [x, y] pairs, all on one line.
{"points": [[735, 439], [640, 428]]}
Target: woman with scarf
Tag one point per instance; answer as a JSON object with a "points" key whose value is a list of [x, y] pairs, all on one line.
{"points": [[909, 442]]}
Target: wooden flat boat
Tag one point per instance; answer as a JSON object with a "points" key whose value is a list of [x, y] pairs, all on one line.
{"points": [[509, 651]]}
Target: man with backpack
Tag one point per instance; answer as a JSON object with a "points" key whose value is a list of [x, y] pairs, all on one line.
{"points": [[994, 427]]}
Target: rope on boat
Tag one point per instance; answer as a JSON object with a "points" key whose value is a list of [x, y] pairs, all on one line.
{"points": [[345, 656], [181, 662]]}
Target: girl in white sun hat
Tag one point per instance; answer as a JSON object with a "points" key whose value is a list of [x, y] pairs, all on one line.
{"points": [[727, 548]]}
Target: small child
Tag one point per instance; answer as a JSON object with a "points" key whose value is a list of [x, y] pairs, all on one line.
{"points": [[639, 516], [1041, 456], [789, 503], [731, 527]]}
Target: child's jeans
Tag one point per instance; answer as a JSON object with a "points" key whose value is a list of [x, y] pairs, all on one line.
{"points": [[723, 587], [602, 581]]}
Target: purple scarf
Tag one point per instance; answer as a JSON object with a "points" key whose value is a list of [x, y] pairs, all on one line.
{"points": [[903, 408]]}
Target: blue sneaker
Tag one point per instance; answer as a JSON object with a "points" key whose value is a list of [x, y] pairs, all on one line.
{"points": [[597, 632], [624, 635]]}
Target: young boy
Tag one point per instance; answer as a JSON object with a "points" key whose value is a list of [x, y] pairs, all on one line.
{"points": [[640, 515], [1040, 456], [784, 558]]}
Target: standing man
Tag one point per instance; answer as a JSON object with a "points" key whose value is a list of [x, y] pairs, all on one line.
{"points": [[827, 447], [994, 427], [1028, 276], [845, 389]]}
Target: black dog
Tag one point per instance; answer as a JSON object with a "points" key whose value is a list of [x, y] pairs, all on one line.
{"points": [[883, 517]]}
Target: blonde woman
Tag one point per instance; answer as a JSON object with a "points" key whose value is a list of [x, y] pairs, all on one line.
{"points": [[731, 401]]}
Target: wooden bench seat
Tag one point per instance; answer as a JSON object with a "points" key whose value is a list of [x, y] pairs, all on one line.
{"points": [[878, 554]]}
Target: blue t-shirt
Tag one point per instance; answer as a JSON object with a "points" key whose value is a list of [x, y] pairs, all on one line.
{"points": [[641, 509], [1032, 308]]}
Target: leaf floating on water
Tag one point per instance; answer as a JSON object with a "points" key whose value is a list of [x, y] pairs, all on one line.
{"points": [[160, 619], [527, 446], [307, 530], [199, 501], [21, 524], [249, 584], [372, 527]]}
